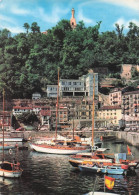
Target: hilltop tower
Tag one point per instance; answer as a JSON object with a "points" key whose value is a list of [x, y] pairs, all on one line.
{"points": [[73, 20]]}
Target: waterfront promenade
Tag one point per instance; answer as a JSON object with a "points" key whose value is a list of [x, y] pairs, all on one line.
{"points": [[129, 137]]}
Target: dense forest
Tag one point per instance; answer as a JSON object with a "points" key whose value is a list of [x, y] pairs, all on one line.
{"points": [[29, 61]]}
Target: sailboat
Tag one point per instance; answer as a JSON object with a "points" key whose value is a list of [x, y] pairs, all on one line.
{"points": [[79, 158], [67, 147], [8, 169]]}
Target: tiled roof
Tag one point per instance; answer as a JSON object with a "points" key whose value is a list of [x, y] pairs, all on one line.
{"points": [[110, 108], [131, 92], [22, 108], [45, 113]]}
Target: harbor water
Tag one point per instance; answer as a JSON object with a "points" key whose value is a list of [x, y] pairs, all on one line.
{"points": [[53, 175]]}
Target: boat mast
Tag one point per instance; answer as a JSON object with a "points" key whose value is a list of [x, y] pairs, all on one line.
{"points": [[93, 109], [3, 124], [57, 105]]}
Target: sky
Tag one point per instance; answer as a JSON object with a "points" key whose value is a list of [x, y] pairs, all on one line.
{"points": [[47, 13]]}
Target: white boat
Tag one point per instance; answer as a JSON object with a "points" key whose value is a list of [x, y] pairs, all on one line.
{"points": [[10, 170], [101, 193], [12, 139], [57, 149], [66, 147]]}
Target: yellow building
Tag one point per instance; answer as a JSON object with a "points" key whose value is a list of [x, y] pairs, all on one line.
{"points": [[111, 114]]}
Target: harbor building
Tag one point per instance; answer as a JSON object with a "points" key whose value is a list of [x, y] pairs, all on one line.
{"points": [[115, 97], [111, 115], [75, 87]]}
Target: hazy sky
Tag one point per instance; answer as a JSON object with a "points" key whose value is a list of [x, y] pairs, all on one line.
{"points": [[47, 13]]}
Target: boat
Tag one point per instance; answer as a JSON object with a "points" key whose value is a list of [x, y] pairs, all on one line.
{"points": [[8, 169], [59, 149], [104, 159], [101, 193], [118, 142], [90, 168], [12, 139], [116, 170], [66, 147], [97, 156], [108, 137], [6, 146]]}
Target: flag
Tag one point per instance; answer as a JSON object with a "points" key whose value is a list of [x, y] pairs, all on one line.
{"points": [[109, 182], [129, 151]]}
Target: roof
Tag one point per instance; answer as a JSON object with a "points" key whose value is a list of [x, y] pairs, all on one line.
{"points": [[22, 108], [110, 108], [45, 113], [131, 92]]}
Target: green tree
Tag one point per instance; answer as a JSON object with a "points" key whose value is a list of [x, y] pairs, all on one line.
{"points": [[35, 28], [27, 27]]}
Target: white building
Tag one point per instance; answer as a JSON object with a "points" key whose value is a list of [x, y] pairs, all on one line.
{"points": [[75, 87], [52, 91], [90, 82], [20, 110], [36, 96], [71, 87]]}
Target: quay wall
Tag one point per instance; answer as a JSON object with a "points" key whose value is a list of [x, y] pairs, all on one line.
{"points": [[129, 137]]}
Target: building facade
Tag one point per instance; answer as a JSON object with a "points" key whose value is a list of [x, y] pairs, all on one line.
{"points": [[130, 108], [70, 87], [111, 115], [52, 91], [115, 97]]}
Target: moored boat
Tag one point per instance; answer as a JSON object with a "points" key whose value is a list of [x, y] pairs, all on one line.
{"points": [[116, 170], [12, 139], [8, 169], [11, 170], [97, 156], [90, 168], [59, 149], [7, 147]]}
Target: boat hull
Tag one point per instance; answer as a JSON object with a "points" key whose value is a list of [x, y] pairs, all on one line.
{"points": [[113, 170], [7, 147], [50, 150], [12, 139], [93, 169], [10, 174]]}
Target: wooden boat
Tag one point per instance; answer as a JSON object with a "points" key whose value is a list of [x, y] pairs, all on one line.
{"points": [[8, 169], [59, 149], [97, 156], [91, 168], [100, 157], [108, 137]]}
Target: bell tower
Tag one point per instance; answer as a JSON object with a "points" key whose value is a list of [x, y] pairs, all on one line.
{"points": [[73, 20]]}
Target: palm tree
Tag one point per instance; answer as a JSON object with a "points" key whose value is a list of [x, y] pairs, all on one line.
{"points": [[26, 26]]}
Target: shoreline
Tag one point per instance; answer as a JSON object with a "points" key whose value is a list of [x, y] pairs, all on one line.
{"points": [[131, 138]]}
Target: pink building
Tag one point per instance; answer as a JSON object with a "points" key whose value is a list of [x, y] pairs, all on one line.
{"points": [[115, 97]]}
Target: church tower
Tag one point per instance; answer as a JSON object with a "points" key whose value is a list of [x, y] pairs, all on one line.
{"points": [[73, 20]]}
